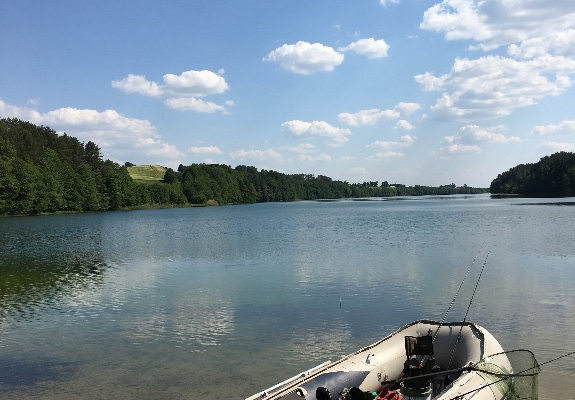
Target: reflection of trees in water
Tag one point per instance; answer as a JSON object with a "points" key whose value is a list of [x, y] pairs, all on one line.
{"points": [[31, 285], [22, 372]]}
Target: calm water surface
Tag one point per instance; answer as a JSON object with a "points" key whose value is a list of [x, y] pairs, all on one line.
{"points": [[223, 302]]}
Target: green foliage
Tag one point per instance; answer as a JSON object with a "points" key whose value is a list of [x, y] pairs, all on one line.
{"points": [[552, 176], [41, 171]]}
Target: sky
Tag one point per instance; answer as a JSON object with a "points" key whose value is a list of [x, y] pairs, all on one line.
{"points": [[419, 92]]}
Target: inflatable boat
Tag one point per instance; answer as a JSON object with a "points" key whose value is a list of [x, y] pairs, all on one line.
{"points": [[423, 360]]}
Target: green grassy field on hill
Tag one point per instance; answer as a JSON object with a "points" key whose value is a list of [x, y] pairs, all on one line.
{"points": [[147, 173]]}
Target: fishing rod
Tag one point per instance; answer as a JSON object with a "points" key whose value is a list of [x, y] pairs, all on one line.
{"points": [[467, 312], [430, 375], [456, 293], [461, 396]]}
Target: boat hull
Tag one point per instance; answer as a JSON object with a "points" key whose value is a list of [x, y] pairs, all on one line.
{"points": [[372, 368]]}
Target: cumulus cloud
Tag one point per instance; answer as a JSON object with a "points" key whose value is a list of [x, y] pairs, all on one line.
{"points": [[367, 117], [562, 128], [540, 40], [374, 115], [336, 136], [138, 84], [194, 84], [193, 104], [180, 91], [205, 150], [407, 108], [403, 124], [303, 148], [453, 146], [493, 86], [557, 146], [470, 137], [118, 136], [305, 58], [404, 141], [488, 135], [320, 157], [539, 26], [386, 155], [370, 47], [257, 155], [558, 43]]}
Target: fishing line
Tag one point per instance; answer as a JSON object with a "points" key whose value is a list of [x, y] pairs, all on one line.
{"points": [[460, 396], [467, 312], [456, 293]]}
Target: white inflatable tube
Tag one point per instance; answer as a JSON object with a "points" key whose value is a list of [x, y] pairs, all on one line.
{"points": [[384, 361]]}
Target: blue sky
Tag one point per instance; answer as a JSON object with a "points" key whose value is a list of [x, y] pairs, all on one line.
{"points": [[409, 91]]}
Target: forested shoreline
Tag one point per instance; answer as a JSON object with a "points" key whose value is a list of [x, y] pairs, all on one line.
{"points": [[44, 172], [551, 176]]}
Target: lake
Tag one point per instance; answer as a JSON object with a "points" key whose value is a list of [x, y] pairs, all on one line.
{"points": [[223, 302]]}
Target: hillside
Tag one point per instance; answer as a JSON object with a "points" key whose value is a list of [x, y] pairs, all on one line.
{"points": [[552, 176], [147, 173]]}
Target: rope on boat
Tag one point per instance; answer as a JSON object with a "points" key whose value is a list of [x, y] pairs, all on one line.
{"points": [[467, 312]]}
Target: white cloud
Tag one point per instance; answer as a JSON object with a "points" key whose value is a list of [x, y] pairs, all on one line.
{"points": [[488, 135], [320, 157], [257, 155], [205, 150], [558, 43], [386, 2], [118, 136], [453, 147], [303, 148], [387, 155], [404, 141], [403, 124], [373, 115], [194, 84], [370, 47], [193, 104], [407, 108], [469, 138], [543, 24], [305, 58], [337, 136], [138, 84], [180, 91], [564, 127], [540, 40], [493, 86], [557, 146], [367, 117]]}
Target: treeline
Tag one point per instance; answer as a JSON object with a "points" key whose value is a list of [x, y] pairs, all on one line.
{"points": [[43, 172], [552, 176], [222, 184]]}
